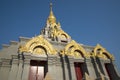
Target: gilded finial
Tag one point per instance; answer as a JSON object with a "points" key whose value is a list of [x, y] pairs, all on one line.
{"points": [[50, 6], [59, 24], [51, 18]]}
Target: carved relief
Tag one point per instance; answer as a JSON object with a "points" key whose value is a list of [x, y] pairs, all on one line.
{"points": [[57, 33], [39, 50], [38, 45], [101, 52], [63, 36], [74, 49]]}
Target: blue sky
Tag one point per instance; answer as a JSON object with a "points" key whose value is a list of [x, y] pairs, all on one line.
{"points": [[87, 21]]}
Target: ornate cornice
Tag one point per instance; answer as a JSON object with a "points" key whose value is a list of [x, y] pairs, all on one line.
{"points": [[74, 49], [101, 52], [36, 44]]}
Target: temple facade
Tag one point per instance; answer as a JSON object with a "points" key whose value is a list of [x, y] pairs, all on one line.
{"points": [[54, 55]]}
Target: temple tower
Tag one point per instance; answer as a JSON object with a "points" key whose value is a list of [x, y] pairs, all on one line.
{"points": [[54, 55]]}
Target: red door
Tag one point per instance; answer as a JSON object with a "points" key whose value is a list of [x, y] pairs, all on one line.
{"points": [[36, 70], [78, 71]]}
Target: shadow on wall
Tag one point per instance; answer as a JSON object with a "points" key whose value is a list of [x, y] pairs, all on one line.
{"points": [[63, 67]]}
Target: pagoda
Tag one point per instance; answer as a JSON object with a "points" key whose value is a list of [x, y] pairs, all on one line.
{"points": [[54, 55]]}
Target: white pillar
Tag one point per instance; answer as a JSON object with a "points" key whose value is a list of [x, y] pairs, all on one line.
{"points": [[14, 70], [20, 70], [26, 66]]}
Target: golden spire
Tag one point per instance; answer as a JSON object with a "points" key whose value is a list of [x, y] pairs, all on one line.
{"points": [[51, 18]]}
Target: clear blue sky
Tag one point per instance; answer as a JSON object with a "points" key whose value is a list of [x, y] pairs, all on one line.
{"points": [[87, 21]]}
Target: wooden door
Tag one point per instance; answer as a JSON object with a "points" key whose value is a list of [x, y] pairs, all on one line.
{"points": [[40, 73], [36, 70], [78, 71], [33, 71]]}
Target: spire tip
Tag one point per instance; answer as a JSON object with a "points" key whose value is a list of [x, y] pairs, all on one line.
{"points": [[50, 6], [51, 18]]}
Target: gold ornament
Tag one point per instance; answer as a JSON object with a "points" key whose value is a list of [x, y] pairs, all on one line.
{"points": [[75, 49], [38, 45], [101, 52]]}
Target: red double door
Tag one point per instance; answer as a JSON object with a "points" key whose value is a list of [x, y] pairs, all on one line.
{"points": [[37, 70], [78, 70]]}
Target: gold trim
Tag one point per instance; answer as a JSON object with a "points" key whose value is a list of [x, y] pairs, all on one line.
{"points": [[101, 52], [37, 41], [72, 47]]}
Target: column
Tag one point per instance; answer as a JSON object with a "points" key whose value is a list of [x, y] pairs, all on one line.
{"points": [[51, 67], [5, 68], [101, 63], [66, 68], [14, 70], [72, 68], [20, 68], [91, 68], [59, 68], [26, 66]]}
